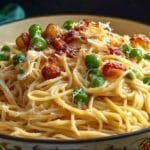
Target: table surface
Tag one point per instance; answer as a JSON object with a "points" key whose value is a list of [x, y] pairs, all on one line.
{"points": [[137, 10]]}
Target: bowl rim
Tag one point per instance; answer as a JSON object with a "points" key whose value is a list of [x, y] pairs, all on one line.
{"points": [[83, 14], [77, 141]]}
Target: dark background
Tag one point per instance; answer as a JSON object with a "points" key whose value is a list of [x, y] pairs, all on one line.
{"points": [[138, 10]]}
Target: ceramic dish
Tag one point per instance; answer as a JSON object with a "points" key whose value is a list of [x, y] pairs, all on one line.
{"points": [[130, 141]]}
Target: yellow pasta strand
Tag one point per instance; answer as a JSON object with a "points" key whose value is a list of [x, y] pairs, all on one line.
{"points": [[33, 107]]}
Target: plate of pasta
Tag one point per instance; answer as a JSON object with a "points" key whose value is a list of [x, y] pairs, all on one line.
{"points": [[74, 82]]}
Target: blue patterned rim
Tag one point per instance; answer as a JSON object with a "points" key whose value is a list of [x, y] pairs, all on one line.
{"points": [[48, 141]]}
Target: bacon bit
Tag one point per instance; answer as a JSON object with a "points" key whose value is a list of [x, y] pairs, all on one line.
{"points": [[26, 37], [86, 22], [71, 52], [73, 35], [80, 27], [141, 40], [83, 25], [115, 51], [53, 59], [51, 71], [23, 41], [70, 36], [112, 70], [61, 47]]}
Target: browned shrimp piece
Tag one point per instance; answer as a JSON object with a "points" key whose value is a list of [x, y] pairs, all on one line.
{"points": [[52, 31], [113, 70], [23, 41], [51, 69], [140, 40]]}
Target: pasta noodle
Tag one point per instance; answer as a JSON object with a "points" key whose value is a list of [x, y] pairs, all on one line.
{"points": [[38, 93]]}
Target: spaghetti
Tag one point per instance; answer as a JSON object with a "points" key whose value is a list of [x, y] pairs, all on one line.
{"points": [[80, 81]]}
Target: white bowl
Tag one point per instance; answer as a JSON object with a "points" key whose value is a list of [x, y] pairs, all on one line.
{"points": [[129, 141]]}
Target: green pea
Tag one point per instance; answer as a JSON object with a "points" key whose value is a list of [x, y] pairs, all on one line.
{"points": [[133, 74], [147, 56], [94, 71], [139, 59], [68, 24], [146, 80], [126, 49], [97, 81], [136, 53], [38, 43], [130, 75], [79, 96], [18, 58], [21, 71], [5, 48], [35, 29], [4, 56], [92, 61]]}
